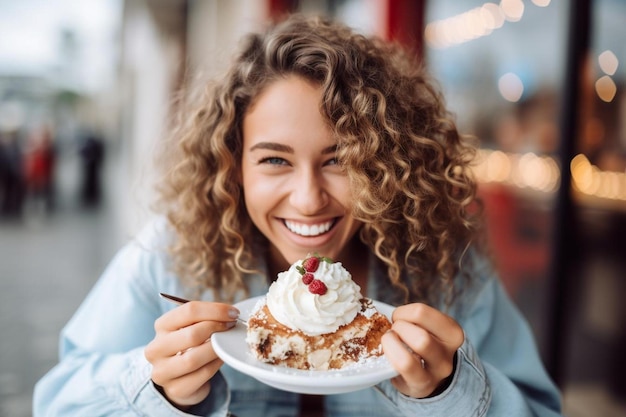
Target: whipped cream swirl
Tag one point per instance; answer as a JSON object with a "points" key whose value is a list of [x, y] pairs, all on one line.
{"points": [[292, 304]]}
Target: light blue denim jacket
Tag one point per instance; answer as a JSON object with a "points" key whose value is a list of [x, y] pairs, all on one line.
{"points": [[103, 371]]}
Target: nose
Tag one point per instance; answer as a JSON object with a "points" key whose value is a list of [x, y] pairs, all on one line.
{"points": [[308, 194]]}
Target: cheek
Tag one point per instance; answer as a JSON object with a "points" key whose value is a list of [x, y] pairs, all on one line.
{"points": [[342, 191], [259, 196], [258, 188], [343, 195]]}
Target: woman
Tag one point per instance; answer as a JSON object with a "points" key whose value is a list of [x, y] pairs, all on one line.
{"points": [[317, 140]]}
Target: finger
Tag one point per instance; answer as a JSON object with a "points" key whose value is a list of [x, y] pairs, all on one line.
{"points": [[179, 394], [194, 335], [169, 344], [194, 312], [413, 379], [192, 388], [442, 326], [403, 359], [185, 363], [436, 355]]}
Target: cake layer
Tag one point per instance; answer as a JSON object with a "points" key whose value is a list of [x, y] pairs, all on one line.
{"points": [[355, 342]]}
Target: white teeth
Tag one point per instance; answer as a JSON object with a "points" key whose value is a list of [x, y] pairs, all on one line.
{"points": [[306, 230]]}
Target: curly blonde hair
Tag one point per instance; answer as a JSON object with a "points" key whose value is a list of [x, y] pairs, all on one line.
{"points": [[407, 164]]}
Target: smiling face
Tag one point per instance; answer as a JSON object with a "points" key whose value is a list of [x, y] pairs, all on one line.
{"points": [[294, 191]]}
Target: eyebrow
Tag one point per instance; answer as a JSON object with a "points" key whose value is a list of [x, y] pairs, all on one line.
{"points": [[272, 146], [279, 147]]}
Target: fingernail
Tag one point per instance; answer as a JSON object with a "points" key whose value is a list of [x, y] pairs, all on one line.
{"points": [[233, 313], [230, 324]]}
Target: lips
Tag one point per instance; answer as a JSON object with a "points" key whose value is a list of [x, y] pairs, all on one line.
{"points": [[307, 229]]}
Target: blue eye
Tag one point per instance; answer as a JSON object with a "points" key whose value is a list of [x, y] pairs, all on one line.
{"points": [[273, 160], [332, 161]]}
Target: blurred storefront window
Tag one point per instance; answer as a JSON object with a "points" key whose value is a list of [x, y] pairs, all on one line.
{"points": [[501, 67], [598, 171], [504, 67]]}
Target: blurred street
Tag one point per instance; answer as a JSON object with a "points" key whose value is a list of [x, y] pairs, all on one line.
{"points": [[47, 265]]}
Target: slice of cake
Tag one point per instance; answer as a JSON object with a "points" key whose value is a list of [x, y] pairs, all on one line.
{"points": [[314, 317]]}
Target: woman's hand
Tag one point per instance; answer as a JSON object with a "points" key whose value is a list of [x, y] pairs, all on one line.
{"points": [[421, 346], [183, 360]]}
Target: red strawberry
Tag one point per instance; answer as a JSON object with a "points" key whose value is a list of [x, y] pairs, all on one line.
{"points": [[307, 278], [317, 287], [311, 264]]}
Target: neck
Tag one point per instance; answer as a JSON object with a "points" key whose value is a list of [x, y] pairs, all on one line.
{"points": [[275, 264], [356, 261]]}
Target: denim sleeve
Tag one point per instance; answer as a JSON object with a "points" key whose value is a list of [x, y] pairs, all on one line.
{"points": [[114, 385], [102, 369], [498, 369], [468, 395], [140, 392], [505, 344]]}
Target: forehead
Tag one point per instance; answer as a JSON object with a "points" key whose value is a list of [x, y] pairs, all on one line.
{"points": [[287, 110]]}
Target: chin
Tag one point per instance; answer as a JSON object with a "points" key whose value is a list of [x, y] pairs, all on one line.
{"points": [[292, 257]]}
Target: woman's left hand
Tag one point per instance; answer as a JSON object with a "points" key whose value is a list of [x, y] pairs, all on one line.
{"points": [[421, 346]]}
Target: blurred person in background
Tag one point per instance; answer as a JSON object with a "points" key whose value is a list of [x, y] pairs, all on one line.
{"points": [[314, 125], [92, 157], [12, 183], [40, 163]]}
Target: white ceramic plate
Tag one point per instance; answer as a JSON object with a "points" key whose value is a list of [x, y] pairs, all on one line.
{"points": [[232, 348]]}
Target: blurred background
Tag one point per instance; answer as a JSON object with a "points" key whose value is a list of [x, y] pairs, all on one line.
{"points": [[86, 88]]}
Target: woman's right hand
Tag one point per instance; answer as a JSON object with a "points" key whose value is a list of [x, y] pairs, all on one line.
{"points": [[182, 357]]}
